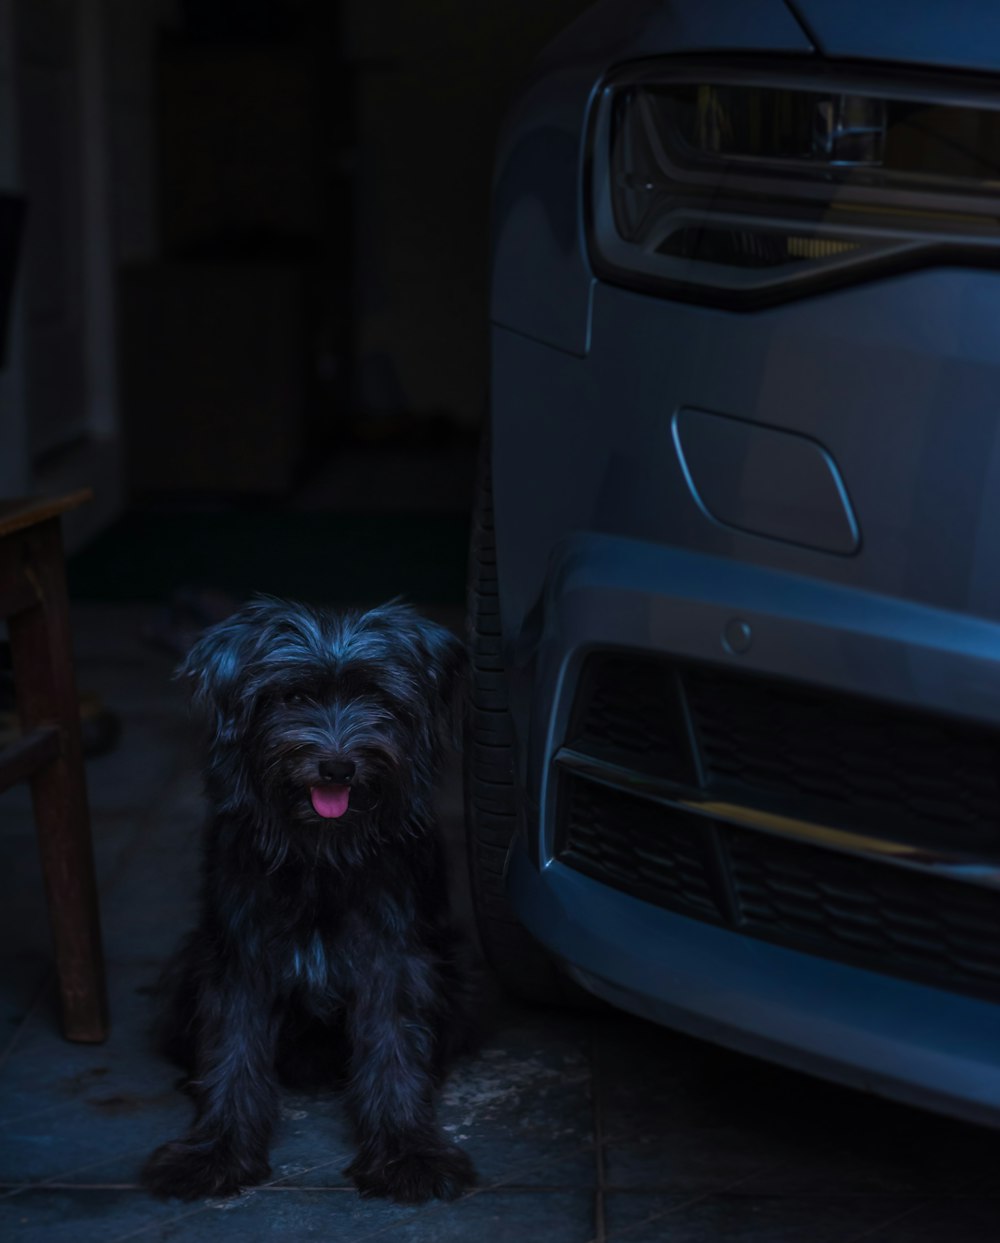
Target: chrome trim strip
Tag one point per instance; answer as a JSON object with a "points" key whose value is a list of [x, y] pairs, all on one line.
{"points": [[699, 803]]}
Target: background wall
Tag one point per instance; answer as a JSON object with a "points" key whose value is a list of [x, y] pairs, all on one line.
{"points": [[257, 233], [434, 80], [76, 138]]}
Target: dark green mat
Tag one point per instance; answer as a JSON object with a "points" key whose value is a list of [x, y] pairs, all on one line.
{"points": [[336, 558]]}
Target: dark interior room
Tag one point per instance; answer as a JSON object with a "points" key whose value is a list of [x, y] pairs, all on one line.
{"points": [[245, 350]]}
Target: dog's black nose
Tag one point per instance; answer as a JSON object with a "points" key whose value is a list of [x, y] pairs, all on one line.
{"points": [[340, 771]]}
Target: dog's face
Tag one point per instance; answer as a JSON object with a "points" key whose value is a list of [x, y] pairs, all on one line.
{"points": [[325, 715]]}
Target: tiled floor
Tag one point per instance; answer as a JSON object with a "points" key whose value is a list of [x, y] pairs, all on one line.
{"points": [[583, 1128]]}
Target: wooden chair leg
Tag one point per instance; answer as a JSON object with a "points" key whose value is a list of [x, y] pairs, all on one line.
{"points": [[46, 694]]}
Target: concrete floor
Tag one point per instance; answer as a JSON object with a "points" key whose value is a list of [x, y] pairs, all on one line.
{"points": [[583, 1127]]}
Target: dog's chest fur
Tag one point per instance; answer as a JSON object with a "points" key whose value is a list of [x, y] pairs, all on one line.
{"points": [[314, 928], [320, 959]]}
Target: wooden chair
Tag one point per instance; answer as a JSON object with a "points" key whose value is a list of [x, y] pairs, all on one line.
{"points": [[48, 753]]}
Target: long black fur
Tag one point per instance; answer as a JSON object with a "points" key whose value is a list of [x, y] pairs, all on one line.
{"points": [[324, 947]]}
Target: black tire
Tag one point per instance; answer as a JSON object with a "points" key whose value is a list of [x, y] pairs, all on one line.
{"points": [[491, 804]]}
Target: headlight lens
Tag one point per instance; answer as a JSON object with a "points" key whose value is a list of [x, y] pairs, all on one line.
{"points": [[744, 187]]}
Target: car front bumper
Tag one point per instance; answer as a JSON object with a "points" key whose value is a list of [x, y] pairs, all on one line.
{"points": [[914, 1044], [918, 1043]]}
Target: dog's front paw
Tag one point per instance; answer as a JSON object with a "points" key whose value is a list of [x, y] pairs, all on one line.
{"points": [[192, 1170], [413, 1176]]}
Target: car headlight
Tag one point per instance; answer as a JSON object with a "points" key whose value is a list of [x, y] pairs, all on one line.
{"points": [[747, 185]]}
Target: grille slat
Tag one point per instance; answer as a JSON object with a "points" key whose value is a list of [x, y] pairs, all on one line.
{"points": [[631, 714], [926, 782], [638, 846], [936, 781], [899, 920]]}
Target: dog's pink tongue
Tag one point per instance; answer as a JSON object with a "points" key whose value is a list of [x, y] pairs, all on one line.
{"points": [[330, 802]]}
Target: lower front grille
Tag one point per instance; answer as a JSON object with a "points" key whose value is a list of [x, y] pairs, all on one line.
{"points": [[933, 780], [633, 844], [881, 917], [728, 746]]}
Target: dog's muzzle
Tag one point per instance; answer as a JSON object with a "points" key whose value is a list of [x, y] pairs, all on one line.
{"points": [[331, 799]]}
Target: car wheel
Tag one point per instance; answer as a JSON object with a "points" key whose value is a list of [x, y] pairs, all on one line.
{"points": [[522, 965]]}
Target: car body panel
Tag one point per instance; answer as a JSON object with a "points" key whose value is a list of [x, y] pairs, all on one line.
{"points": [[962, 36], [602, 542], [912, 425]]}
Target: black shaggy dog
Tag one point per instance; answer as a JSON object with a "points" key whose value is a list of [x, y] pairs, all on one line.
{"points": [[324, 945]]}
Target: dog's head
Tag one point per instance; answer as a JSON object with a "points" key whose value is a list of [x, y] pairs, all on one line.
{"points": [[325, 714]]}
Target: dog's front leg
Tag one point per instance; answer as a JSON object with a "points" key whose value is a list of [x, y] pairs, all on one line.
{"points": [[402, 1153], [236, 1095]]}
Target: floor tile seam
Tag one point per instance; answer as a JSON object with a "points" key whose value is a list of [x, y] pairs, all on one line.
{"points": [[209, 1205], [64, 1174], [14, 1184], [58, 1186], [435, 1207], [43, 1183], [497, 1185], [649, 1191], [677, 1208]]}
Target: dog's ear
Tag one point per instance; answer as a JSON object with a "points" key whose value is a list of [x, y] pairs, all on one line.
{"points": [[214, 671], [439, 663], [446, 670]]}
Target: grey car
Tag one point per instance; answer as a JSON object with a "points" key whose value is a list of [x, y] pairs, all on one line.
{"points": [[734, 752]]}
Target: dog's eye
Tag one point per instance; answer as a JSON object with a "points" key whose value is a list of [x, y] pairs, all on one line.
{"points": [[295, 697]]}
